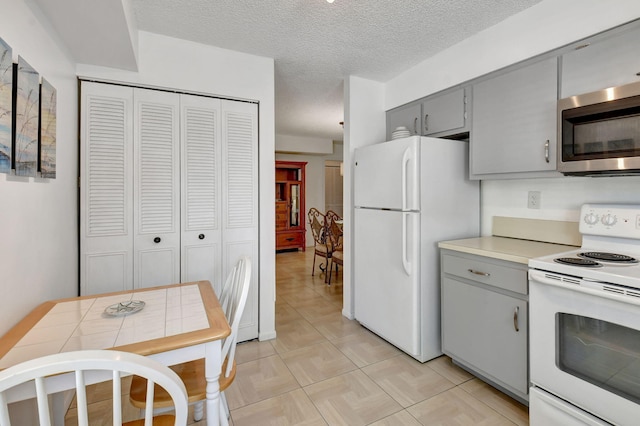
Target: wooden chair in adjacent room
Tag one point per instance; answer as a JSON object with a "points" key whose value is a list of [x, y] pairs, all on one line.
{"points": [[334, 235], [233, 300], [38, 378], [317, 223]]}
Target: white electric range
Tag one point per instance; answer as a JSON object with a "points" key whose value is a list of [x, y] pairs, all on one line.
{"points": [[584, 310]]}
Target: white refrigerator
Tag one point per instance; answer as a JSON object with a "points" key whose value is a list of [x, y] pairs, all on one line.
{"points": [[409, 194]]}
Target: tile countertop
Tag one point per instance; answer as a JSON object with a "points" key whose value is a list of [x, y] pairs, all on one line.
{"points": [[503, 248]]}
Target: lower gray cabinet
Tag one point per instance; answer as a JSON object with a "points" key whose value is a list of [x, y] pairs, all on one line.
{"points": [[485, 319]]}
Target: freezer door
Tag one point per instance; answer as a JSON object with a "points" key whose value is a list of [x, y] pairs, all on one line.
{"points": [[386, 175], [387, 283]]}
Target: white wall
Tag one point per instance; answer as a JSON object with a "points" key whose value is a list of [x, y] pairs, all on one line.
{"points": [[314, 181], [364, 124], [298, 144], [38, 217], [544, 27], [561, 198], [173, 63]]}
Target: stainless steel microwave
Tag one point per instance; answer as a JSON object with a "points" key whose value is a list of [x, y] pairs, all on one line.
{"points": [[599, 132]]}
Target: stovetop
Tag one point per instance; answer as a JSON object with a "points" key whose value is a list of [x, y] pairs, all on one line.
{"points": [[610, 233]]}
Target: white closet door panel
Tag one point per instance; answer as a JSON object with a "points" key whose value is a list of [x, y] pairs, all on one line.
{"points": [[232, 251], [106, 256], [240, 131], [201, 189], [106, 272], [240, 200], [202, 262], [157, 266], [157, 188]]}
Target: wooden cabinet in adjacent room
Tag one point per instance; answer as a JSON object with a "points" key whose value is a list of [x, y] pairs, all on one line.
{"points": [[290, 209]]}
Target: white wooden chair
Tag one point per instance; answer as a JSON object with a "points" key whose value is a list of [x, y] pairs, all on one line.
{"points": [[43, 376], [233, 300]]}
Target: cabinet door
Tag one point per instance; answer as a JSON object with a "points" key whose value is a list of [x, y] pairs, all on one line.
{"points": [[514, 121], [106, 221], [443, 113], [156, 227], [408, 116], [240, 200], [479, 328], [610, 62], [201, 235]]}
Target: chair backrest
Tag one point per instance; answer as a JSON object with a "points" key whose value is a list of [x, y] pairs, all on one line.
{"points": [[233, 300], [43, 376], [334, 231], [317, 225]]}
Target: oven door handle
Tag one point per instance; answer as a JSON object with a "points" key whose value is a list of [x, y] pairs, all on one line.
{"points": [[570, 283]]}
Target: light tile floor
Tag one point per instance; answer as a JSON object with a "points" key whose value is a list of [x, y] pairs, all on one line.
{"points": [[323, 369]]}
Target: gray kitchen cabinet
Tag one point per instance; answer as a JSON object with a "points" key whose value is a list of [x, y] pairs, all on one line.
{"points": [[607, 60], [485, 319], [408, 116], [514, 122], [444, 114]]}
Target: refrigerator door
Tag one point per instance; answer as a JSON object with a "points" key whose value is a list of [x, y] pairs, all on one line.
{"points": [[386, 175], [387, 291]]}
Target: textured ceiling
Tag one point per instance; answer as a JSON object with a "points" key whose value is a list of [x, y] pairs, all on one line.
{"points": [[316, 44]]}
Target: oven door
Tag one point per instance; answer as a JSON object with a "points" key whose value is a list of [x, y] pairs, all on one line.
{"points": [[585, 346]]}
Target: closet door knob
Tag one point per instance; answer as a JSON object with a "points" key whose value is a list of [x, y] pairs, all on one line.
{"points": [[157, 240], [201, 237]]}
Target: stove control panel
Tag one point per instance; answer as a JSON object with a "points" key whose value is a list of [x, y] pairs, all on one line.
{"points": [[611, 220]]}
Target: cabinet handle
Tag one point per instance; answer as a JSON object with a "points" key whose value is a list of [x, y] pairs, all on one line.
{"points": [[546, 151], [515, 318], [290, 239], [484, 274], [201, 237], [415, 126], [157, 240], [426, 122]]}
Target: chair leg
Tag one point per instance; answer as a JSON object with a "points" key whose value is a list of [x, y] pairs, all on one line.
{"points": [[313, 268], [328, 279], [224, 410], [198, 411]]}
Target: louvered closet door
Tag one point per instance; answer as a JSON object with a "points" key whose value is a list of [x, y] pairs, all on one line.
{"points": [[156, 189], [106, 256], [240, 199], [201, 190]]}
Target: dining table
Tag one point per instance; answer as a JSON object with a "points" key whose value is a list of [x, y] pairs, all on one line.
{"points": [[172, 324]]}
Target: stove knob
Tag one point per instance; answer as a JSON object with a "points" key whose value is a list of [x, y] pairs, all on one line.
{"points": [[591, 219], [609, 219]]}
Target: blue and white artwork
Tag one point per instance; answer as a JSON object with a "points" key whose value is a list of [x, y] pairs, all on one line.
{"points": [[6, 95], [47, 130], [27, 112]]}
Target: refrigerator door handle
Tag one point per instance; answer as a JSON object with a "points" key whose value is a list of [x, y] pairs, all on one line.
{"points": [[405, 161], [406, 263]]}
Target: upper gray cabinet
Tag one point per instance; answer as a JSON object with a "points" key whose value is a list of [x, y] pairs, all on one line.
{"points": [[514, 123], [444, 114], [607, 60], [408, 116]]}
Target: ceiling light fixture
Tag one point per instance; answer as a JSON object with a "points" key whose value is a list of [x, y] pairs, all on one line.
{"points": [[329, 1]]}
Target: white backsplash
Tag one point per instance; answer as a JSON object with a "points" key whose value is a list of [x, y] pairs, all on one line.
{"points": [[560, 198]]}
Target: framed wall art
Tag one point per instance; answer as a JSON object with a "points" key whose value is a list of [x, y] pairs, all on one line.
{"points": [[47, 152], [6, 102], [26, 119]]}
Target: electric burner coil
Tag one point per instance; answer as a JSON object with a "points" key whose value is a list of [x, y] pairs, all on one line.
{"points": [[578, 261]]}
